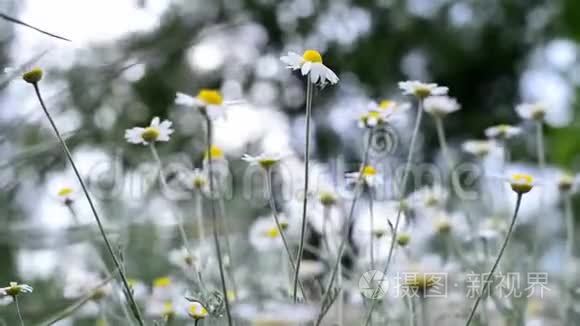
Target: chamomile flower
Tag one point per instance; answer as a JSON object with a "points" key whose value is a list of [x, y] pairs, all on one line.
{"points": [[422, 90], [266, 161], [502, 132], [568, 183], [156, 132], [265, 235], [532, 111], [14, 289], [440, 106], [521, 183], [197, 311], [479, 148], [66, 195], [368, 174], [428, 197], [381, 113], [210, 102], [33, 76], [183, 258], [79, 282], [195, 180], [163, 288], [310, 64], [215, 152]]}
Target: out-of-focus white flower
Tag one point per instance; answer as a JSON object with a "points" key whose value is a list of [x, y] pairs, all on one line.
{"points": [[428, 197], [216, 153], [532, 111], [275, 313], [440, 106], [264, 233], [209, 101], [139, 289], [163, 289], [568, 183], [80, 282], [491, 228], [266, 161], [14, 289], [502, 132], [310, 64], [197, 311], [479, 148], [422, 90], [183, 258], [157, 131], [66, 195], [381, 113], [195, 180], [368, 174], [310, 269]]}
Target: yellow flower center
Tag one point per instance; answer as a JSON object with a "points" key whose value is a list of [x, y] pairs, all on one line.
{"points": [[443, 225], [65, 192], [566, 182], [197, 311], [210, 97], [521, 182], [386, 105], [369, 171], [168, 310], [267, 163], [215, 153], [272, 233], [403, 239], [33, 76], [327, 198], [199, 182], [312, 56], [422, 91], [162, 282], [150, 134]]}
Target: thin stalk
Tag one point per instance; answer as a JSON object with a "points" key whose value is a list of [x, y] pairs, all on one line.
{"points": [[124, 281], [541, 153], [340, 299], [344, 237], [540, 145], [18, 310], [424, 310], [215, 223], [160, 165], [309, 90], [325, 220], [443, 142], [199, 215], [570, 238], [412, 311], [406, 173], [280, 228], [496, 263], [226, 228], [372, 236]]}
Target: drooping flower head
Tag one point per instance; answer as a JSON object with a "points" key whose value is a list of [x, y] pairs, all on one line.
{"points": [[33, 76], [266, 161], [381, 113], [502, 132], [479, 148], [422, 90], [156, 132], [15, 289], [440, 106], [210, 102], [532, 111], [310, 64]]}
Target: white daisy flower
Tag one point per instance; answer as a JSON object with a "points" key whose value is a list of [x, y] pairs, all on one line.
{"points": [[479, 148], [422, 90], [568, 182], [368, 174], [440, 106], [195, 180], [266, 161], [502, 132], [310, 63], [164, 289], [429, 197], [157, 131], [79, 282], [14, 289], [208, 101], [521, 183], [197, 311], [532, 111], [183, 258], [381, 113], [265, 235], [216, 153]]}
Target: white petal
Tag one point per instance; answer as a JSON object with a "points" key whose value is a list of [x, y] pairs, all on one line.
{"points": [[155, 122], [184, 99], [315, 72], [306, 68], [330, 75]]}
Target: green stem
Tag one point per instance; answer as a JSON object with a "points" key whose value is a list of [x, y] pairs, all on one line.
{"points": [[215, 223], [406, 173], [125, 282], [570, 238], [280, 229], [344, 236], [496, 263], [372, 239], [18, 310], [226, 228], [199, 215], [412, 311], [540, 145], [309, 89], [443, 142]]}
